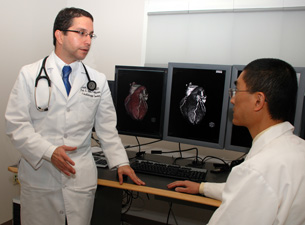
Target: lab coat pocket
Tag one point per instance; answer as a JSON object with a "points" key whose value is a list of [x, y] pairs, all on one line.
{"points": [[86, 173], [87, 109]]}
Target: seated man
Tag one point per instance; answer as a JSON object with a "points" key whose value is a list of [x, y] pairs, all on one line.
{"points": [[269, 186]]}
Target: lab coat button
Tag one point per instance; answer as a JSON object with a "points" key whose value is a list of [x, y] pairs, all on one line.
{"points": [[65, 135], [68, 109], [61, 212]]}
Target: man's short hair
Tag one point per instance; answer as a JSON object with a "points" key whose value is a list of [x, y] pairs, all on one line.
{"points": [[278, 81], [64, 19]]}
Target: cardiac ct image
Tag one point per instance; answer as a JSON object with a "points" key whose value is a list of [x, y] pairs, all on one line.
{"points": [[192, 104], [136, 102]]}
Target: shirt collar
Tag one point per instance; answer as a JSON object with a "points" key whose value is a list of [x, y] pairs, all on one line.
{"points": [[267, 135], [262, 132], [60, 64]]}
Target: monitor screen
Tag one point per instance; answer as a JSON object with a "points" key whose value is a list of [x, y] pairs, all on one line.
{"points": [[196, 104], [238, 138], [139, 100]]}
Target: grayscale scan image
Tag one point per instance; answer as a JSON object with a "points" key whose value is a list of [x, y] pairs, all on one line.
{"points": [[192, 105]]}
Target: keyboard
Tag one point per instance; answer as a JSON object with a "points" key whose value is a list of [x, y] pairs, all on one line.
{"points": [[169, 171], [99, 157], [100, 161]]}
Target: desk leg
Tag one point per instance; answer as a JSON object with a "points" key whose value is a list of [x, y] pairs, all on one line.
{"points": [[107, 206]]}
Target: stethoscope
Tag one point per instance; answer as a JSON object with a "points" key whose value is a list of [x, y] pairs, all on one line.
{"points": [[91, 85]]}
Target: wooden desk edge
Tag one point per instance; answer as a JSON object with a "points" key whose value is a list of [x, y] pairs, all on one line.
{"points": [[13, 169], [150, 190], [161, 192]]}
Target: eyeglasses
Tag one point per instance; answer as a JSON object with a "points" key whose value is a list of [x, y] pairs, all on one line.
{"points": [[232, 92], [82, 33]]}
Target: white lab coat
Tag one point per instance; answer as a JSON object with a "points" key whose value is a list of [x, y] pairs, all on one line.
{"points": [[269, 186], [47, 195]]}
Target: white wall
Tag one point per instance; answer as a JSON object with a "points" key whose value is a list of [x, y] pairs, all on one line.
{"points": [[27, 36]]}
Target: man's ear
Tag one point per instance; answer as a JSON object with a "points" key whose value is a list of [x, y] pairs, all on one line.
{"points": [[58, 36], [260, 100]]}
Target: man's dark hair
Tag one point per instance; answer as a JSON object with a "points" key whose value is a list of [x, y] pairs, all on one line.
{"points": [[65, 18], [278, 81]]}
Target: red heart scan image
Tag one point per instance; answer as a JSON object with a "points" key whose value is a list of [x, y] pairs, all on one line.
{"points": [[136, 102]]}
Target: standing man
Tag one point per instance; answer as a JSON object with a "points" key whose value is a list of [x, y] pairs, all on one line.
{"points": [[269, 186], [52, 130]]}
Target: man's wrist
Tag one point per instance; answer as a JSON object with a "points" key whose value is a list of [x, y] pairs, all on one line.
{"points": [[48, 154], [201, 188]]}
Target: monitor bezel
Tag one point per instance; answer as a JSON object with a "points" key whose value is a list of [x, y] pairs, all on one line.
{"points": [[300, 101], [220, 143], [162, 104]]}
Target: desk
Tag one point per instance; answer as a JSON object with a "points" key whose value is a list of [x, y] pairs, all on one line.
{"points": [[109, 193], [154, 185]]}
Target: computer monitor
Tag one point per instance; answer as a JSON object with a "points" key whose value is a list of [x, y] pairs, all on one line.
{"points": [[139, 100], [238, 138], [111, 84], [196, 104], [303, 121], [300, 100]]}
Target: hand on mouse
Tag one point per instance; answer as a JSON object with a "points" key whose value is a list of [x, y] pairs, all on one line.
{"points": [[185, 186]]}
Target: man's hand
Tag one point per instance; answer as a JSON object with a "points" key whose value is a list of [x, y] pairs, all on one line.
{"points": [[186, 186], [127, 170], [62, 161]]}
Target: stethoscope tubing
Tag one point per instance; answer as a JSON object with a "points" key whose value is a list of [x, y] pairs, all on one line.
{"points": [[91, 85]]}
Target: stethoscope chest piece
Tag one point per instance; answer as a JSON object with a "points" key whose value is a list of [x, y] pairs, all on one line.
{"points": [[91, 85]]}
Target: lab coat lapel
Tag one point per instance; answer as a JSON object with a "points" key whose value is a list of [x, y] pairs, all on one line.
{"points": [[79, 82]]}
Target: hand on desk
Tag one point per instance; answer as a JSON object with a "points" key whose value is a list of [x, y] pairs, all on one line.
{"points": [[127, 170], [62, 161], [185, 186]]}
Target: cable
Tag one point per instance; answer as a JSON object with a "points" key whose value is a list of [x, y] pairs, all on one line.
{"points": [[224, 166], [140, 153], [206, 158], [169, 212], [237, 161], [190, 157], [179, 151], [128, 197], [213, 157], [138, 143], [148, 143]]}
